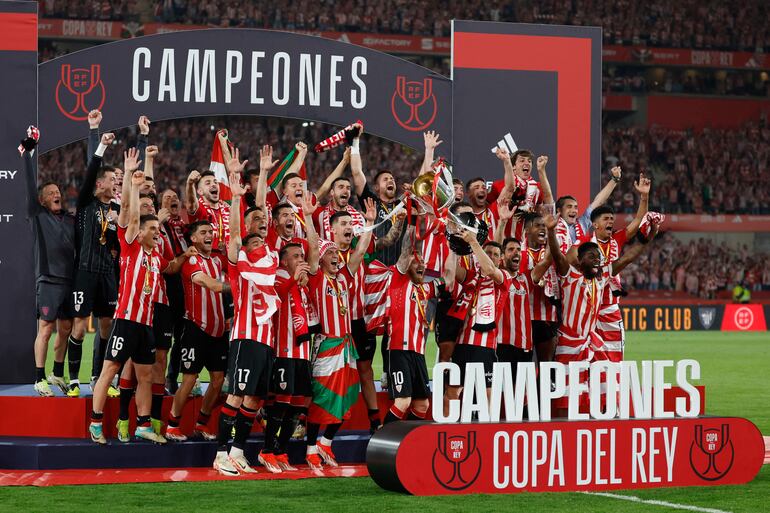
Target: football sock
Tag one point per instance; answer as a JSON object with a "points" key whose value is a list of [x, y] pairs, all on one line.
{"points": [[287, 429], [275, 416], [143, 421], [158, 390], [203, 419], [243, 422], [126, 392], [74, 353], [98, 358], [96, 418], [39, 374], [58, 369], [312, 433], [394, 414], [330, 431], [416, 415], [226, 423]]}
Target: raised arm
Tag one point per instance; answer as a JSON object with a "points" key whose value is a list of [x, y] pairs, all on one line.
{"points": [[606, 191], [545, 185], [130, 164], [506, 214], [204, 280], [431, 140], [559, 259], [301, 149], [142, 139], [94, 120], [370, 214], [631, 254], [150, 153], [542, 266], [356, 167], [450, 270], [175, 265], [30, 170], [86, 193], [643, 188], [505, 158], [266, 164], [235, 169], [405, 258], [313, 255], [325, 187], [132, 229], [486, 265], [190, 195]]}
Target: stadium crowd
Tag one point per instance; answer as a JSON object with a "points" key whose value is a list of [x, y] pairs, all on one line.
{"points": [[281, 293], [684, 24]]}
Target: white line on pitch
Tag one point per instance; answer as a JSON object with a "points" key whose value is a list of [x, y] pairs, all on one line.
{"points": [[673, 505]]}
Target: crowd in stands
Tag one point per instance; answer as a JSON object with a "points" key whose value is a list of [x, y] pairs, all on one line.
{"points": [[708, 24], [703, 268], [641, 81], [711, 171]]}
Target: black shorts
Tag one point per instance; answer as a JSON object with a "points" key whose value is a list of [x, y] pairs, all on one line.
{"points": [[448, 328], [94, 293], [229, 306], [542, 331], [408, 375], [250, 367], [163, 326], [366, 343], [465, 354], [199, 349], [54, 301], [292, 377], [129, 339], [507, 353]]}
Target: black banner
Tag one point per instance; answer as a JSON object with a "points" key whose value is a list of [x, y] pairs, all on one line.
{"points": [[672, 317], [243, 72], [18, 60]]}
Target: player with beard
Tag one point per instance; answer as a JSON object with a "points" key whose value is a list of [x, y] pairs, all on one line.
{"points": [[54, 231], [282, 229], [567, 210], [583, 283], [340, 197], [252, 273], [203, 204], [610, 326], [204, 341], [331, 293], [131, 336], [407, 325], [484, 206], [95, 287]]}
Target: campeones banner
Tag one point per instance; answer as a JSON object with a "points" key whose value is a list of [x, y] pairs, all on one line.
{"points": [[441, 459]]}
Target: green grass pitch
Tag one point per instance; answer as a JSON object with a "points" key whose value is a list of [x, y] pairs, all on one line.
{"points": [[734, 367]]}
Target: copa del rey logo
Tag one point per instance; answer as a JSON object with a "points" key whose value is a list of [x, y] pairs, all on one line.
{"points": [[80, 90], [414, 104]]}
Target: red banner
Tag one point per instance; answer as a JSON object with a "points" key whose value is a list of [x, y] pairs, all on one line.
{"points": [[744, 318], [684, 57], [436, 459]]}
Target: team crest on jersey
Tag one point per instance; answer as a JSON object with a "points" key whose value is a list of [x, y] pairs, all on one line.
{"points": [[77, 308], [282, 385], [242, 386], [186, 365], [398, 388], [114, 352]]}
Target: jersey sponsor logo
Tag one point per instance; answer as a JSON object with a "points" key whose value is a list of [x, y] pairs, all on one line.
{"points": [[456, 461], [413, 104], [79, 90], [712, 453]]}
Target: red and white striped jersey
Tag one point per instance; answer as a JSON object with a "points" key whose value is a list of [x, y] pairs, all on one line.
{"points": [[610, 250], [140, 276], [291, 317], [435, 248], [164, 248], [582, 301], [322, 220], [487, 339], [218, 217], [331, 298], [358, 296], [542, 307], [202, 306], [515, 324], [276, 242], [490, 216], [299, 226], [252, 281], [407, 305]]}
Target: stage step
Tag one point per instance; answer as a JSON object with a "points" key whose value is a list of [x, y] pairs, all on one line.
{"points": [[25, 453]]}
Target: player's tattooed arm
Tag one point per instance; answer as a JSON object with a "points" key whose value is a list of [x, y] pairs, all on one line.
{"points": [[393, 234], [559, 259], [486, 265], [450, 269], [204, 280], [405, 258]]}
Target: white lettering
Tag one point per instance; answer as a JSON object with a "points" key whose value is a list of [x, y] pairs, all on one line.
{"points": [[453, 414], [167, 76], [669, 443], [281, 57], [333, 79], [140, 53], [500, 483], [358, 97], [311, 79], [203, 81], [559, 389], [255, 74], [576, 388], [8, 174], [556, 459], [682, 382], [638, 450], [660, 387], [233, 72], [539, 452], [474, 394], [522, 456], [583, 470]]}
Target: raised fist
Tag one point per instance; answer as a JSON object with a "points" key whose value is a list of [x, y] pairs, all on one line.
{"points": [[107, 138], [194, 177], [151, 152], [542, 160], [301, 148], [144, 125], [94, 118], [137, 178]]}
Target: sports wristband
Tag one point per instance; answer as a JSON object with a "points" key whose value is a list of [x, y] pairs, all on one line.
{"points": [[615, 179], [100, 150], [354, 147]]}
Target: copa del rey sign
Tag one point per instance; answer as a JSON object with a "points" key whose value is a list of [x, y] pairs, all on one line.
{"points": [[643, 445]]}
